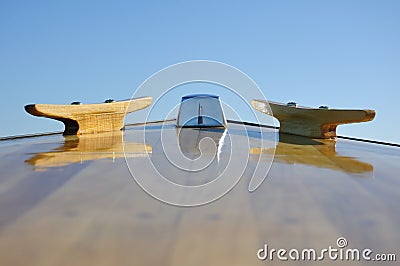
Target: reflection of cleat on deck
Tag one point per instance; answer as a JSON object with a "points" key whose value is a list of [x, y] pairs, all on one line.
{"points": [[90, 118], [311, 122], [89, 147], [319, 153]]}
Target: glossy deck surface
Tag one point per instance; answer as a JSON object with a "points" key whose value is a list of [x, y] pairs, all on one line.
{"points": [[73, 201]]}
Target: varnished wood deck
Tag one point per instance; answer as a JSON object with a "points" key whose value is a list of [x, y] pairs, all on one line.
{"points": [[89, 211]]}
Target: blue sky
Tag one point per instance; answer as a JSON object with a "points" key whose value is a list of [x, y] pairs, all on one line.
{"points": [[343, 54]]}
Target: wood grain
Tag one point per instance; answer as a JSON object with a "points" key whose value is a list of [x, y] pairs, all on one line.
{"points": [[311, 122], [89, 118]]}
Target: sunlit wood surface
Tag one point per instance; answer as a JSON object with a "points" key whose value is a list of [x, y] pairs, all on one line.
{"points": [[70, 201], [89, 118], [311, 122]]}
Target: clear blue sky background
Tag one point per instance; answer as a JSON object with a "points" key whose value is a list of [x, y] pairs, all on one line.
{"points": [[336, 53]]}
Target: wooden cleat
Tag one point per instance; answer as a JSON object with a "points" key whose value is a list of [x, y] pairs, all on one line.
{"points": [[311, 122], [90, 118]]}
